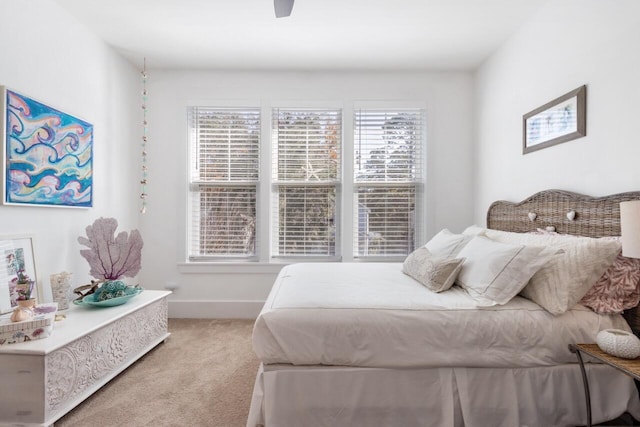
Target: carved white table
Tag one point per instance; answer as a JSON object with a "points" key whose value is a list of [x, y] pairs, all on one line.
{"points": [[42, 380]]}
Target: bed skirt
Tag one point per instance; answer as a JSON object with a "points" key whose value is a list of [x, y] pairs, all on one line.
{"points": [[287, 395]]}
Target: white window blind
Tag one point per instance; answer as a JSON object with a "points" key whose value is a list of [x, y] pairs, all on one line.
{"points": [[306, 174], [224, 174], [387, 176]]}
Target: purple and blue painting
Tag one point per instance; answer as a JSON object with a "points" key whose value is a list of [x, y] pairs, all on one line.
{"points": [[48, 155]]}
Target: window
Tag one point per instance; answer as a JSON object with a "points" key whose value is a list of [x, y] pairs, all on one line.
{"points": [[387, 176], [263, 190], [306, 148], [223, 182]]}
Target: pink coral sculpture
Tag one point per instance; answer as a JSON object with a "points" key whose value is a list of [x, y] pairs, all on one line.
{"points": [[110, 257]]}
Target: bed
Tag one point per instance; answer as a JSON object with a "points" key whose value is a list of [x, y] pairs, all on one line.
{"points": [[363, 344]]}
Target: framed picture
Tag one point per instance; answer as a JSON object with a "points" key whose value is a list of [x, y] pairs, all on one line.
{"points": [[17, 271], [47, 154], [561, 120]]}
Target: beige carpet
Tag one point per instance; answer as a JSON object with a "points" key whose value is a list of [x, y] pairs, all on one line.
{"points": [[202, 376]]}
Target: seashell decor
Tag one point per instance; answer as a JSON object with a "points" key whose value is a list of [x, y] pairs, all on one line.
{"points": [[619, 343]]}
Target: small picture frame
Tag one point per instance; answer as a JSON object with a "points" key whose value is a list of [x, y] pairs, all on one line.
{"points": [[17, 264], [558, 121]]}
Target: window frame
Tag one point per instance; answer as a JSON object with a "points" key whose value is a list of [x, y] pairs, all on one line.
{"points": [[417, 183], [264, 263], [277, 183], [194, 187]]}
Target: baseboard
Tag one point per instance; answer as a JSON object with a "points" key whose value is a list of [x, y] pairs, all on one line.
{"points": [[225, 309]]}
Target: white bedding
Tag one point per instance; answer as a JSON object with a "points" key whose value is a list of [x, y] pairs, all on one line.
{"points": [[313, 396], [372, 315]]}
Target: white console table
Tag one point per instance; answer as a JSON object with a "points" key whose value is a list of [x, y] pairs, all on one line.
{"points": [[42, 380]]}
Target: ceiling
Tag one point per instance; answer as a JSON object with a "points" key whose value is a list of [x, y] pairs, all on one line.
{"points": [[319, 34]]}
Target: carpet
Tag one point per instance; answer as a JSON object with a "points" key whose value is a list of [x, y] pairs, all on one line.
{"points": [[202, 376]]}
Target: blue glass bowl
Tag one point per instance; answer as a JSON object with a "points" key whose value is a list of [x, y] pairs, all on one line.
{"points": [[91, 299]]}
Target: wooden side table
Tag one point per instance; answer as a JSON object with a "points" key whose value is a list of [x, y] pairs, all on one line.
{"points": [[630, 367]]}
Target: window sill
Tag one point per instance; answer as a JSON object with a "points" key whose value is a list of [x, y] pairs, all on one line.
{"points": [[231, 267], [273, 267]]}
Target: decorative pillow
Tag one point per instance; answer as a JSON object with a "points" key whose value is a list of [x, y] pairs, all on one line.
{"points": [[617, 289], [447, 244], [495, 272], [435, 273], [560, 284]]}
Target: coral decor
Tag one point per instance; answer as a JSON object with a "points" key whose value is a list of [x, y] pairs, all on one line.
{"points": [[109, 256]]}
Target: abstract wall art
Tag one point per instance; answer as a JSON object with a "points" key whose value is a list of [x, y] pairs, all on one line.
{"points": [[47, 154]]}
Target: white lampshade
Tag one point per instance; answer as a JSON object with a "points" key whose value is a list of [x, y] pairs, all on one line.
{"points": [[630, 224]]}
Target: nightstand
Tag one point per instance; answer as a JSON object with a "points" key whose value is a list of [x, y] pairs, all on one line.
{"points": [[630, 367]]}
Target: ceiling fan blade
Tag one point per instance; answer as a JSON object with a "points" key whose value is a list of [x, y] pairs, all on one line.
{"points": [[283, 7]]}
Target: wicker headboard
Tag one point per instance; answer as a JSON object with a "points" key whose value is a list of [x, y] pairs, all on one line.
{"points": [[592, 216]]}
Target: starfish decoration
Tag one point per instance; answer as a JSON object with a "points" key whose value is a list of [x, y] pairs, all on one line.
{"points": [[311, 172]]}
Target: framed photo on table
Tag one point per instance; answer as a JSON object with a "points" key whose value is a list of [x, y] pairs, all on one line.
{"points": [[558, 121], [17, 264]]}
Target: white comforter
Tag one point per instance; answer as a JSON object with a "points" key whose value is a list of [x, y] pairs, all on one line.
{"points": [[373, 315]]}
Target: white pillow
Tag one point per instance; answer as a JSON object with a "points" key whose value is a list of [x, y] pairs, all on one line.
{"points": [[435, 273], [561, 283], [447, 244], [495, 272], [474, 230]]}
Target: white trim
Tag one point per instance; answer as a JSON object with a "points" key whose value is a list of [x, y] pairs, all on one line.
{"points": [[293, 104], [263, 209], [345, 191], [216, 309], [222, 103], [230, 267], [385, 104]]}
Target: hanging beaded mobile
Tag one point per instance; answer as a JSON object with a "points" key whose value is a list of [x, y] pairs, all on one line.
{"points": [[143, 180]]}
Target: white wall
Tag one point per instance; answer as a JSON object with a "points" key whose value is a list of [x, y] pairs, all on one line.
{"points": [[48, 55], [239, 291], [567, 44]]}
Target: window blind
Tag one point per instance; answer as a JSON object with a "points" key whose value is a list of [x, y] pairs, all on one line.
{"points": [[306, 218], [306, 173], [387, 175], [385, 221], [224, 173], [225, 222], [387, 145]]}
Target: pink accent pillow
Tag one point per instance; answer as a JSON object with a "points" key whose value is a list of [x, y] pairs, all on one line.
{"points": [[618, 288]]}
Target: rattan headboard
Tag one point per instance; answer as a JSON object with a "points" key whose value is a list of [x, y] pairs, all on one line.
{"points": [[592, 216]]}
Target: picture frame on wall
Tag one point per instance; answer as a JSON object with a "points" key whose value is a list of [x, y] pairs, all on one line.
{"points": [[47, 155], [17, 261], [561, 120]]}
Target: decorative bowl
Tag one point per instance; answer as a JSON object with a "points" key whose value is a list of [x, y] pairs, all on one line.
{"points": [[90, 300]]}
